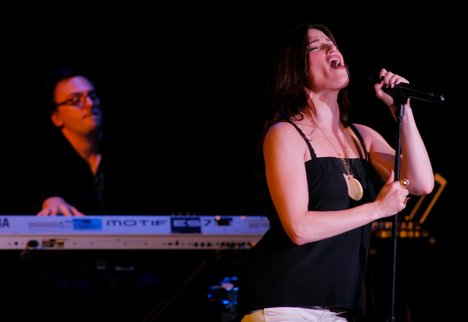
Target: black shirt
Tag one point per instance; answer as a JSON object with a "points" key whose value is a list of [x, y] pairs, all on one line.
{"points": [[329, 272], [62, 172]]}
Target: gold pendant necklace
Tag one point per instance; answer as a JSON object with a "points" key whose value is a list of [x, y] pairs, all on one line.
{"points": [[355, 190]]}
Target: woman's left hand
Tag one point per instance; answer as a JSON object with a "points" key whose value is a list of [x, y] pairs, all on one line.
{"points": [[387, 79]]}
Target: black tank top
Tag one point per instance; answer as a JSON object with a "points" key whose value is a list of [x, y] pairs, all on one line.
{"points": [[330, 272]]}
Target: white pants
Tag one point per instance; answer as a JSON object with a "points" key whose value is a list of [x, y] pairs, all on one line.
{"points": [[292, 314]]}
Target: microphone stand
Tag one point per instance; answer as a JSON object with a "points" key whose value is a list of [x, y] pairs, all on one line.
{"points": [[399, 99], [400, 95]]}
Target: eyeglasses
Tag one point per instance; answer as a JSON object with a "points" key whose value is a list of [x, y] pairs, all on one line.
{"points": [[79, 99]]}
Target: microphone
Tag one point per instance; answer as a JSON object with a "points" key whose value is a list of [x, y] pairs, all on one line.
{"points": [[403, 91]]}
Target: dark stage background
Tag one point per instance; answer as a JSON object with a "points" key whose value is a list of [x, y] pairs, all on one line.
{"points": [[183, 87]]}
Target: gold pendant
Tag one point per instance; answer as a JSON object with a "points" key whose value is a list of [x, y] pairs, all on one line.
{"points": [[355, 190]]}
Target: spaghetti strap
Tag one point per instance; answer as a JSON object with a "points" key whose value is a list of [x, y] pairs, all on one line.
{"points": [[312, 152], [361, 141]]}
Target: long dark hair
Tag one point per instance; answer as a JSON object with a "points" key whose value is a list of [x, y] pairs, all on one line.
{"points": [[286, 98]]}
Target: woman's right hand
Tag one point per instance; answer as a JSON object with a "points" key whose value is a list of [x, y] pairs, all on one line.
{"points": [[54, 206]]}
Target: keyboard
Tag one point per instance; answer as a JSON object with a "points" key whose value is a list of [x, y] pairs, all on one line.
{"points": [[131, 232]]}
